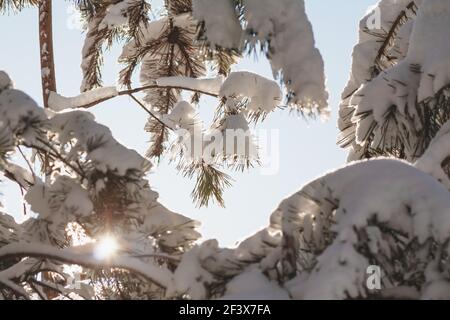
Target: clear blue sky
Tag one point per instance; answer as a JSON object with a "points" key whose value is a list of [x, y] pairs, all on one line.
{"points": [[307, 148]]}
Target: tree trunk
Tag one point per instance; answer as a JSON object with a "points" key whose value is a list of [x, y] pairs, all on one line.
{"points": [[46, 50], [48, 83], [47, 59]]}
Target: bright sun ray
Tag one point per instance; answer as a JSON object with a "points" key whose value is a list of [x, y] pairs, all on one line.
{"points": [[106, 247]]}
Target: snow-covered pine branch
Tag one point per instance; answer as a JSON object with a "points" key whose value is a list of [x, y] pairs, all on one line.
{"points": [[244, 97], [436, 158], [398, 109], [380, 212], [283, 32], [322, 239], [86, 99], [185, 41], [97, 186], [95, 208], [220, 21], [85, 256], [109, 21]]}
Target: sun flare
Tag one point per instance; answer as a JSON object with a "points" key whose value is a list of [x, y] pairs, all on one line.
{"points": [[106, 247]]}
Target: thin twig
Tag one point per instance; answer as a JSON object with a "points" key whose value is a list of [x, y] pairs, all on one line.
{"points": [[151, 86], [157, 256], [156, 274], [28, 162], [392, 32], [56, 155], [23, 202], [156, 86], [149, 112]]}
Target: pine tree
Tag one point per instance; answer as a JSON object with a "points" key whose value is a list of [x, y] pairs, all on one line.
{"points": [[386, 210], [93, 194], [389, 213], [184, 42]]}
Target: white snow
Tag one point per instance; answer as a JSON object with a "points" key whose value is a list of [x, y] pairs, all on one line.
{"points": [[9, 229], [237, 138], [58, 102], [285, 26], [229, 139], [62, 199], [151, 71], [154, 30], [152, 272], [173, 230], [102, 149], [182, 114], [430, 47], [393, 87], [56, 204], [365, 54], [45, 72], [74, 201], [437, 286], [5, 81], [437, 152], [385, 189], [222, 25], [366, 50], [393, 192], [114, 17], [264, 94], [211, 85], [91, 45], [190, 278], [16, 111], [252, 284], [416, 72], [116, 14], [329, 213], [22, 175]]}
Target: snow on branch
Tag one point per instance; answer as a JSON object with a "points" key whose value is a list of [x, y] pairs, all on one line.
{"points": [[102, 149], [22, 176], [222, 27], [435, 159], [84, 256], [21, 116], [360, 198], [209, 86], [397, 104], [5, 81], [284, 28], [369, 46], [264, 94], [94, 186], [86, 99], [383, 41], [429, 47], [109, 22], [9, 229], [322, 239]]}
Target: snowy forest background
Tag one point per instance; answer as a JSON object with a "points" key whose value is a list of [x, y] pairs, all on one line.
{"points": [[98, 229]]}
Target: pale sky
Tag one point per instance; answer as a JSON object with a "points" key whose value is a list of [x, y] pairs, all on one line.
{"points": [[307, 148]]}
